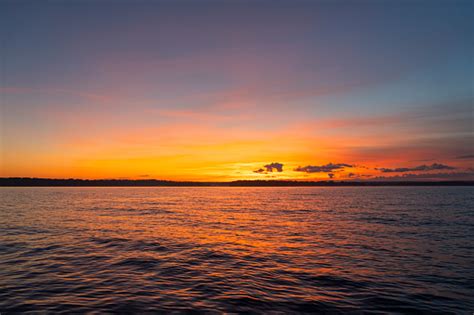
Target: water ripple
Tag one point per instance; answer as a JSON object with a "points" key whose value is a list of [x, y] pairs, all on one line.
{"points": [[237, 250]]}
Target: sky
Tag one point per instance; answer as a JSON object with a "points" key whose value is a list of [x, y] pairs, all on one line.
{"points": [[228, 90]]}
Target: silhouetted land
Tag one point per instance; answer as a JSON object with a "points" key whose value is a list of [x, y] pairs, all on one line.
{"points": [[27, 182]]}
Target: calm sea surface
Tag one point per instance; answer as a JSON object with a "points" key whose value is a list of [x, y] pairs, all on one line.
{"points": [[312, 249]]}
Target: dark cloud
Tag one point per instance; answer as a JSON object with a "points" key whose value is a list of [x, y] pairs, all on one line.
{"points": [[432, 167], [269, 168], [467, 157], [331, 175], [322, 168], [469, 175], [274, 166], [354, 176]]}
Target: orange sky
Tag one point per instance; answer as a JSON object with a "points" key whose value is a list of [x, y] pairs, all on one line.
{"points": [[356, 91]]}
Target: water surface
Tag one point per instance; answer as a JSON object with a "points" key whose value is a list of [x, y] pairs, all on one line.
{"points": [[222, 249]]}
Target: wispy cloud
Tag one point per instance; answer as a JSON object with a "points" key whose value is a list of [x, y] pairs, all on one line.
{"points": [[432, 167], [322, 168], [469, 175], [467, 157], [354, 176]]}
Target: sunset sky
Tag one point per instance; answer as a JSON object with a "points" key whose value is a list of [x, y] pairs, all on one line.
{"points": [[226, 90]]}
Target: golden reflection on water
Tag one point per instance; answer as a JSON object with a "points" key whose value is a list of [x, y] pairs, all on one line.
{"points": [[223, 248]]}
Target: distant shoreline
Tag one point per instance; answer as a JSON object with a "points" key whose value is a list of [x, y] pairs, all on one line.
{"points": [[48, 182]]}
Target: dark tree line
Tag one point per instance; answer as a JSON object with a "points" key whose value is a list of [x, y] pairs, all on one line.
{"points": [[35, 182]]}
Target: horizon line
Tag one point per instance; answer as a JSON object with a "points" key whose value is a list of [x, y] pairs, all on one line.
{"points": [[151, 182]]}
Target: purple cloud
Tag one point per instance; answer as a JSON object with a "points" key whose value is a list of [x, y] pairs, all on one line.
{"points": [[432, 167], [469, 175]]}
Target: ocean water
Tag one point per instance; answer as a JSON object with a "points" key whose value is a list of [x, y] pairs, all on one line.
{"points": [[218, 249]]}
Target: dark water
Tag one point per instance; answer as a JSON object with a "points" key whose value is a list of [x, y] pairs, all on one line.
{"points": [[289, 250]]}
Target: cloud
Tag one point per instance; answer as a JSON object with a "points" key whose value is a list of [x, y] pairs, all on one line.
{"points": [[354, 176], [331, 175], [269, 168], [469, 175], [322, 168], [467, 157], [432, 167], [277, 166]]}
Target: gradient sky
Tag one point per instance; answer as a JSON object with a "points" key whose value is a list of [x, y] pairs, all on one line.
{"points": [[220, 90]]}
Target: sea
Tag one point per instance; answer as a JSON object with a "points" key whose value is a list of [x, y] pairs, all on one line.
{"points": [[272, 250]]}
